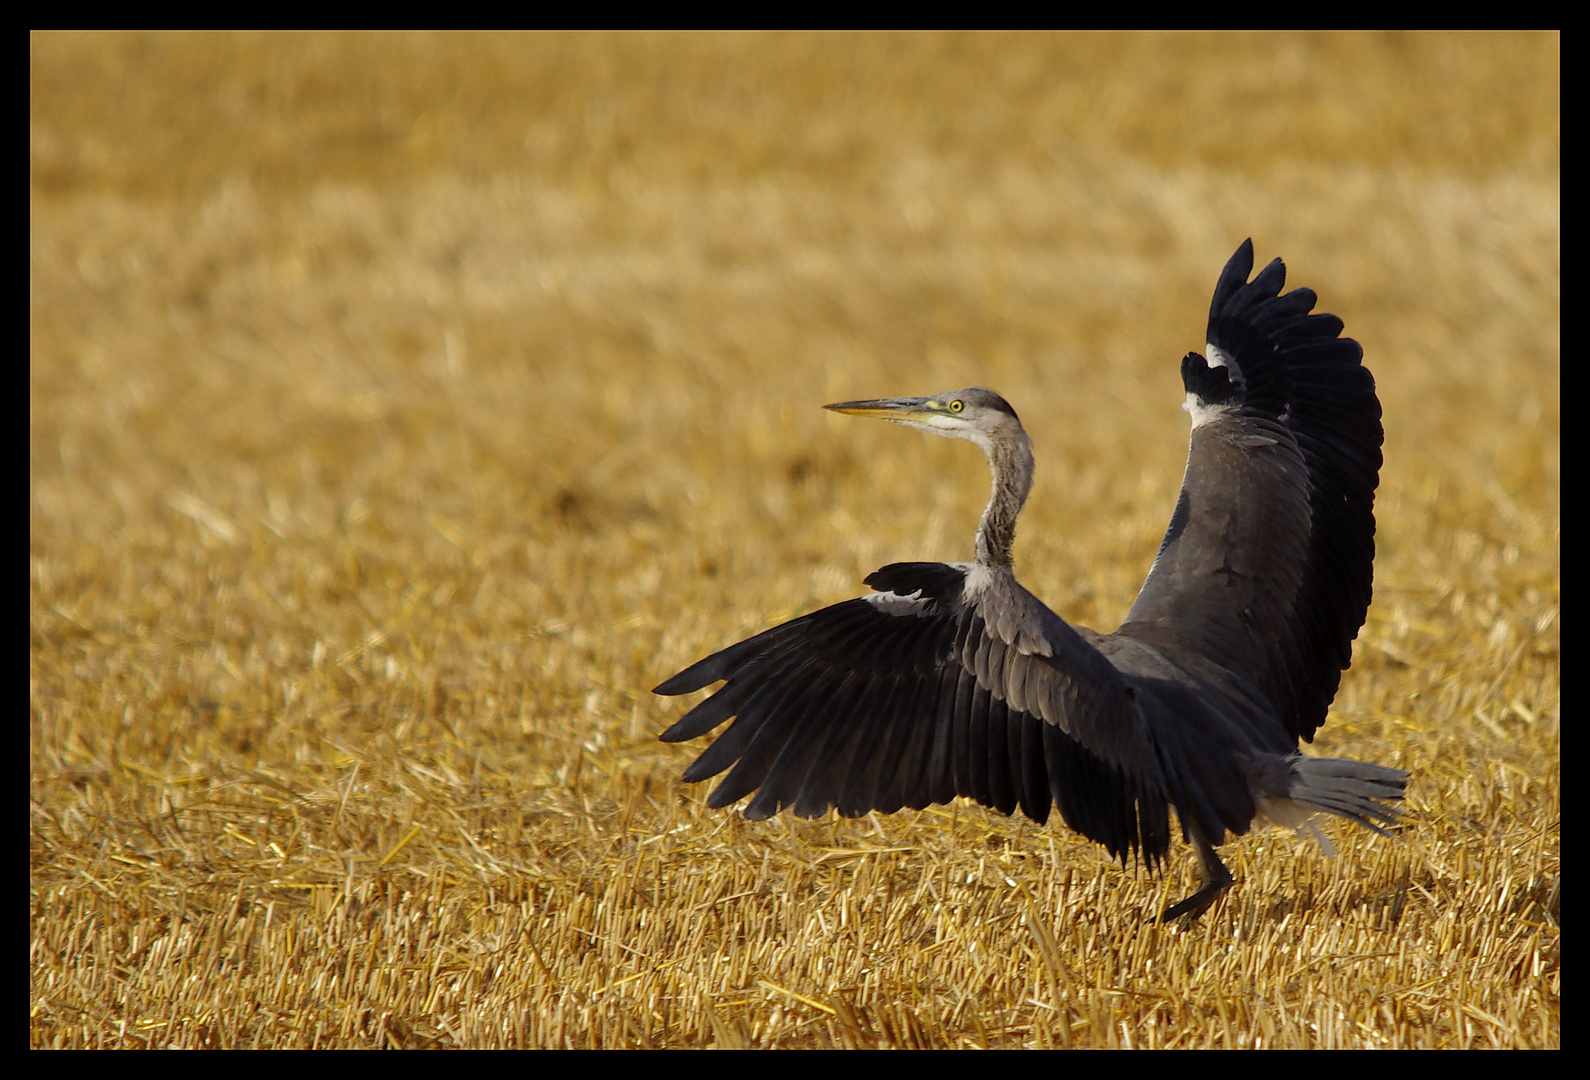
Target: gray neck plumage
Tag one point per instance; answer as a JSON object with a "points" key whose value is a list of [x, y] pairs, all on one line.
{"points": [[1010, 462]]}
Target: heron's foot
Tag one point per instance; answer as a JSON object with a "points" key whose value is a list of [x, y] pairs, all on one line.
{"points": [[1196, 904], [1216, 880]]}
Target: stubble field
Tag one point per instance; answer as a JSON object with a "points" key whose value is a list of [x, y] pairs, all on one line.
{"points": [[403, 408]]}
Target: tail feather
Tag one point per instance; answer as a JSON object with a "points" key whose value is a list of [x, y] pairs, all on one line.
{"points": [[1354, 790]]}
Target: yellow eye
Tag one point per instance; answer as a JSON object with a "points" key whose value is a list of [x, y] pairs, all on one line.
{"points": [[957, 405]]}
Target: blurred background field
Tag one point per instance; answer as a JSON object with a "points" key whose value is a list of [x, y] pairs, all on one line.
{"points": [[403, 407]]}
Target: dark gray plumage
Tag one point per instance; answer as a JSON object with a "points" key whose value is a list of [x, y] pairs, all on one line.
{"points": [[952, 679]]}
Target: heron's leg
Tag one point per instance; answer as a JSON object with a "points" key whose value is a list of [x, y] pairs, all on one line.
{"points": [[1216, 880]]}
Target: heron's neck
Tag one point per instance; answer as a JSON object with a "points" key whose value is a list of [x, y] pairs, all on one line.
{"points": [[1010, 462]]}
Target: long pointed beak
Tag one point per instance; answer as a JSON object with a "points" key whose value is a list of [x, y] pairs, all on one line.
{"points": [[899, 408]]}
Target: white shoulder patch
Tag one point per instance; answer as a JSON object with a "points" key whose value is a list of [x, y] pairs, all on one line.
{"points": [[978, 578], [1196, 407], [1201, 413], [894, 604], [1218, 357]]}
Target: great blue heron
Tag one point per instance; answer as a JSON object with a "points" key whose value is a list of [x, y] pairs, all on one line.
{"points": [[952, 679]]}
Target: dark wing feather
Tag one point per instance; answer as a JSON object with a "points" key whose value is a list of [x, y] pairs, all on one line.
{"points": [[915, 699], [1267, 567]]}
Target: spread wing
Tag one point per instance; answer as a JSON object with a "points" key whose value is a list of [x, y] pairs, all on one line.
{"points": [[942, 683], [1267, 566]]}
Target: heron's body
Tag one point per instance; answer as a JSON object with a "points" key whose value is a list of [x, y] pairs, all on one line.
{"points": [[952, 679]]}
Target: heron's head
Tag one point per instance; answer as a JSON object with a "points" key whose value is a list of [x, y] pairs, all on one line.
{"points": [[976, 414]]}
